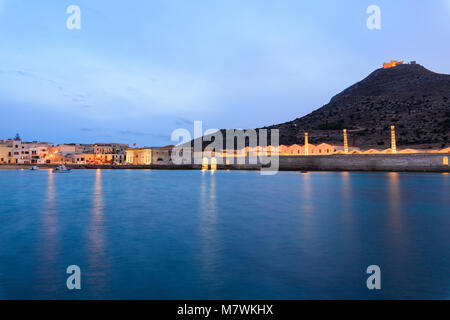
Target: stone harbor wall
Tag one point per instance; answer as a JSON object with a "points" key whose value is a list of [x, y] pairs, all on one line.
{"points": [[378, 162]]}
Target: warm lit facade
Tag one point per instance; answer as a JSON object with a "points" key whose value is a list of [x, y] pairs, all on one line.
{"points": [[5, 154], [110, 148], [139, 156], [162, 155], [149, 155], [29, 152], [39, 155], [102, 154], [78, 158], [392, 64]]}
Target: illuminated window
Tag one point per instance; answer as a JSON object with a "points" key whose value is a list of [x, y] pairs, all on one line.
{"points": [[445, 161]]}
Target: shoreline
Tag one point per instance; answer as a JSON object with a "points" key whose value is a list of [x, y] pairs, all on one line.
{"points": [[432, 162]]}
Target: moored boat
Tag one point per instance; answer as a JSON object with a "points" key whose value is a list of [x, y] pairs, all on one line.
{"points": [[61, 168]]}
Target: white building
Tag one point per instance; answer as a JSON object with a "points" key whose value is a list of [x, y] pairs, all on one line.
{"points": [[29, 152], [39, 155], [149, 155]]}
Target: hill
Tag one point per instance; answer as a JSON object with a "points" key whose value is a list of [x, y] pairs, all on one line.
{"points": [[409, 96], [414, 99]]}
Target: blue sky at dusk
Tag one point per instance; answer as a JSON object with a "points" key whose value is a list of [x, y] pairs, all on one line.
{"points": [[138, 70]]}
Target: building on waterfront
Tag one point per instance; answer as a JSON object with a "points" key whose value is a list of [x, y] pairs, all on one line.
{"points": [[39, 154], [103, 154], [162, 155], [66, 149], [370, 151], [149, 155], [139, 156], [408, 151], [342, 149], [109, 148], [112, 153], [77, 158], [6, 154], [29, 152]]}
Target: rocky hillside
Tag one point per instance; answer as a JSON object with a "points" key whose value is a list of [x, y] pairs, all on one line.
{"points": [[414, 99]]}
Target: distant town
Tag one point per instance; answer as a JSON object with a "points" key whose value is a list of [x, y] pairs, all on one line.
{"points": [[16, 151]]}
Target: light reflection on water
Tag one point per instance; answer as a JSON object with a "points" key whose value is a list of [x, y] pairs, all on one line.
{"points": [[210, 253], [48, 245], [187, 234], [97, 261]]}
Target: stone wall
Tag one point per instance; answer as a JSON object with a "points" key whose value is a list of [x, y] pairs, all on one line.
{"points": [[378, 162]]}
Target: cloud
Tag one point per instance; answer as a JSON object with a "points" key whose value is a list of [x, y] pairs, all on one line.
{"points": [[111, 86], [23, 73], [133, 133], [43, 82]]}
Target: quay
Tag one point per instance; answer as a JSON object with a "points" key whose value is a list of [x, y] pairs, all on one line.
{"points": [[423, 162]]}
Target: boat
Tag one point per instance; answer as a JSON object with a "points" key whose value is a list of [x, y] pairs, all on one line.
{"points": [[61, 168], [34, 168]]}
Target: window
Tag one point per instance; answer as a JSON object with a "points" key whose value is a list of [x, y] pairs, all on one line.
{"points": [[445, 161]]}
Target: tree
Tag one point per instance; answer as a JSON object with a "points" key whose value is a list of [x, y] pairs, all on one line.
{"points": [[17, 137]]}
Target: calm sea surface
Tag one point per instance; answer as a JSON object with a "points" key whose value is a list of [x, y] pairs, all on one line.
{"points": [[231, 235]]}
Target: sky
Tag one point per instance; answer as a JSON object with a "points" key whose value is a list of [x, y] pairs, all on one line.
{"points": [[135, 72]]}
